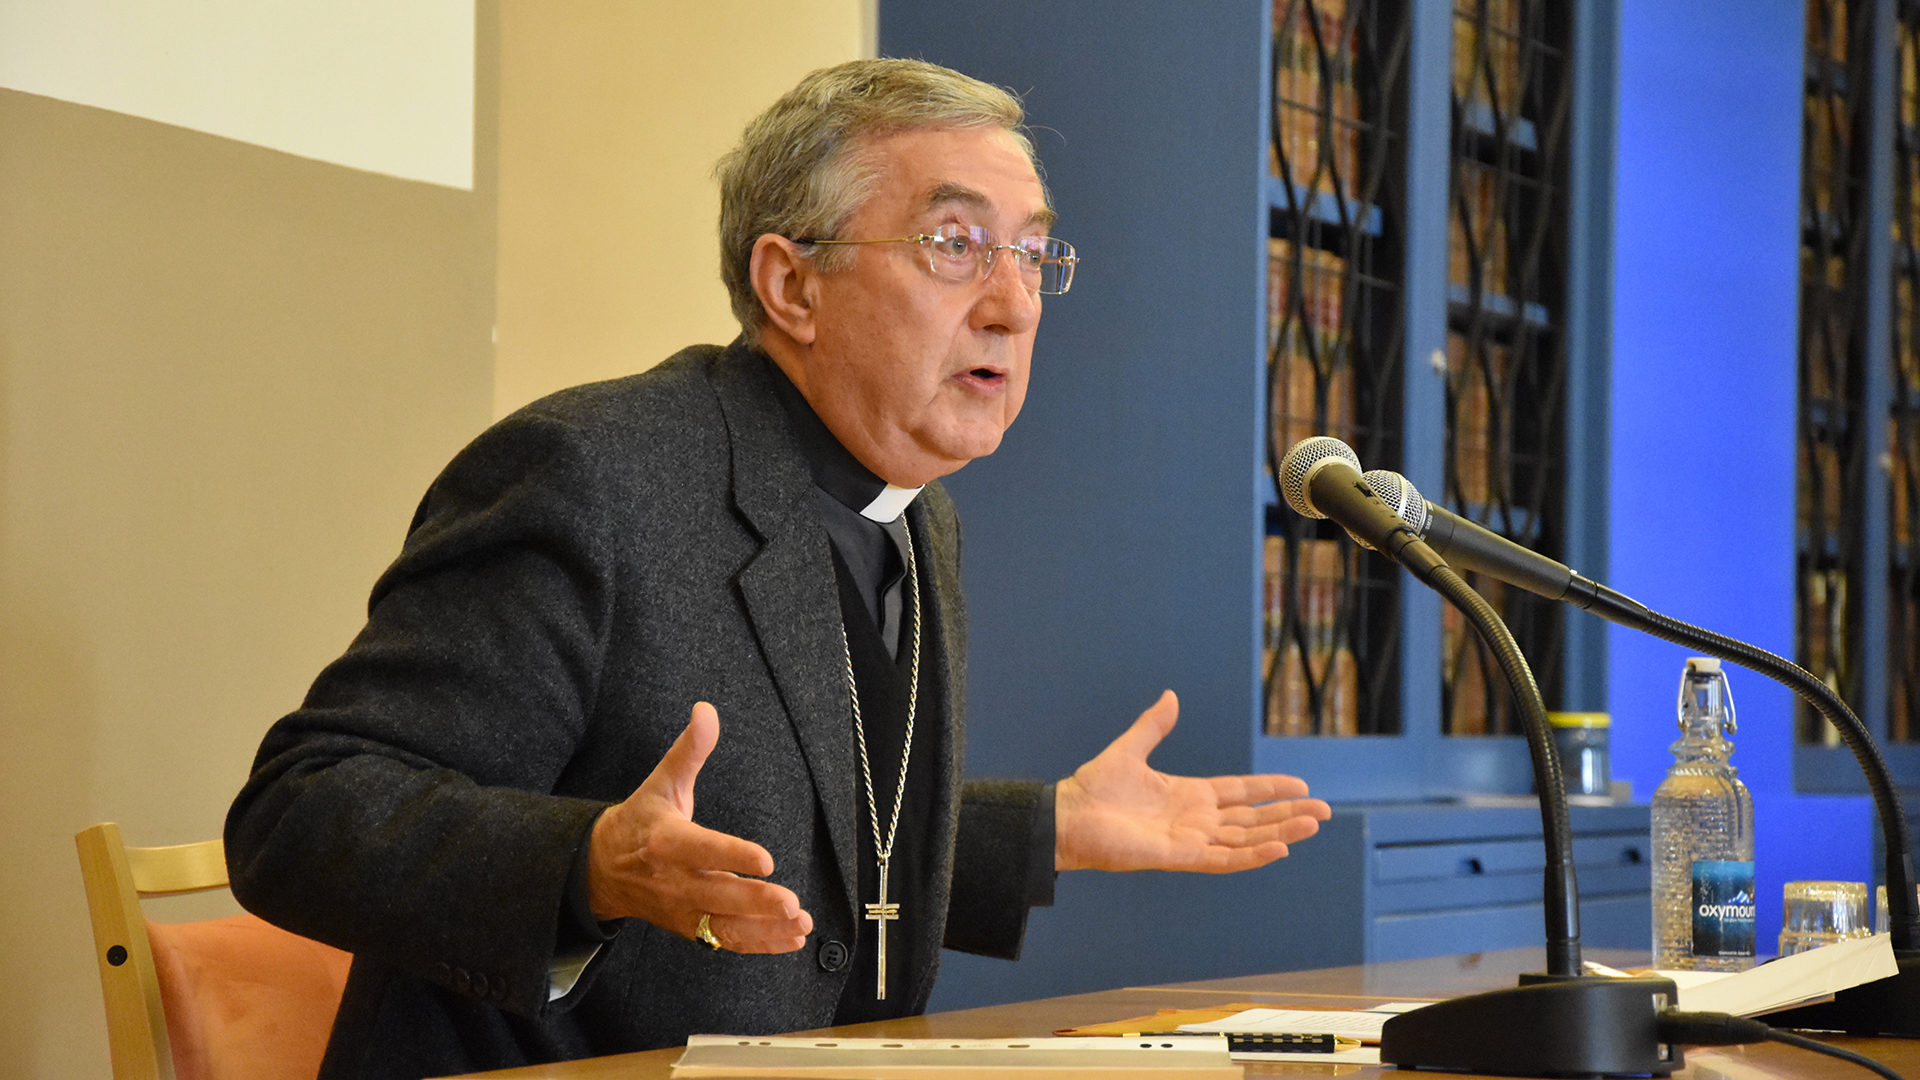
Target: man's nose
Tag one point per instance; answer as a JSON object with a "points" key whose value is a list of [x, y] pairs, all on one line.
{"points": [[1006, 300]]}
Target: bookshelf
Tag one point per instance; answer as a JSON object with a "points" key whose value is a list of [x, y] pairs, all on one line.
{"points": [[1857, 582], [1264, 196]]}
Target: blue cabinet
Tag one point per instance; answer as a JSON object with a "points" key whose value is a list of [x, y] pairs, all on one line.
{"points": [[1434, 879]]}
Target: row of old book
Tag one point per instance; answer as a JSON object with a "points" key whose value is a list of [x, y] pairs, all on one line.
{"points": [[1316, 98], [1486, 54], [1319, 117], [1312, 673], [1312, 390], [1308, 344], [1313, 680], [1826, 499], [1824, 634]]}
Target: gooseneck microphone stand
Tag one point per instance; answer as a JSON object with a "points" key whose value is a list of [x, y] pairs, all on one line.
{"points": [[1889, 1006], [1561, 888], [1557, 1023], [1560, 1023]]}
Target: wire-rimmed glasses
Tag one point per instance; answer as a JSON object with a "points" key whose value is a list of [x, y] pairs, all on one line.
{"points": [[963, 253]]}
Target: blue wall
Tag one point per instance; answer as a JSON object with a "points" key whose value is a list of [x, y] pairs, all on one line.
{"points": [[1706, 266]]}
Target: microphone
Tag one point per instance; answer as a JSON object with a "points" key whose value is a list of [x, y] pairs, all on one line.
{"points": [[1464, 543], [1320, 478]]}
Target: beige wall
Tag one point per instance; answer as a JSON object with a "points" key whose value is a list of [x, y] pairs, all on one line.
{"points": [[610, 125], [227, 373]]}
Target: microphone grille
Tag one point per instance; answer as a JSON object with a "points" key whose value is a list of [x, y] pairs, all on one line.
{"points": [[1398, 492], [1299, 464]]}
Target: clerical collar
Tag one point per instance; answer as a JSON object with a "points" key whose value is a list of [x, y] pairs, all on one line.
{"points": [[835, 470]]}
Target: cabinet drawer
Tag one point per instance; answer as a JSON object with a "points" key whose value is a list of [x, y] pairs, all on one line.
{"points": [[1476, 873], [1470, 859], [1616, 922]]}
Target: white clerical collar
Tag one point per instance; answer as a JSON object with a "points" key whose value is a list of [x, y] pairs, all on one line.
{"points": [[890, 503]]}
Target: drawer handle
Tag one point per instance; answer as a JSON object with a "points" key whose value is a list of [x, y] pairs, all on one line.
{"points": [[1473, 866], [1631, 856]]}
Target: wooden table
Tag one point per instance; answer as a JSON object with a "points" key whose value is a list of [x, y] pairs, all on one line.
{"points": [[1345, 987]]}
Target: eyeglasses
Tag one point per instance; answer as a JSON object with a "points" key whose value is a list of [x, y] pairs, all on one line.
{"points": [[963, 253]]}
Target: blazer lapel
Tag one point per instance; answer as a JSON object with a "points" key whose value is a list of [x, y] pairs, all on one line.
{"points": [[947, 668], [790, 593]]}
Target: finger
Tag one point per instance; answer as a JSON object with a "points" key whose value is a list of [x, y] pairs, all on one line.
{"points": [[1246, 790], [673, 778], [1290, 831], [1267, 813], [720, 894], [698, 848], [1153, 725], [751, 934], [1232, 860]]}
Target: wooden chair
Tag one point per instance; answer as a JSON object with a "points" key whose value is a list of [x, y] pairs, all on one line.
{"points": [[217, 999]]}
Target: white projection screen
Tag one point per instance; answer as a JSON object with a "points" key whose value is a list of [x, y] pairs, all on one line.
{"points": [[384, 86]]}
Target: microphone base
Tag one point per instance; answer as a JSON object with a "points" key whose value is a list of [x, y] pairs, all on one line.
{"points": [[1889, 1006], [1532, 978], [1588, 1027]]}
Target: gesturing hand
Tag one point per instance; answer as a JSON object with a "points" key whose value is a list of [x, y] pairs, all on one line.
{"points": [[647, 859], [1117, 813]]}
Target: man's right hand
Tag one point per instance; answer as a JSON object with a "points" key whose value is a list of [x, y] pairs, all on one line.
{"points": [[648, 860]]}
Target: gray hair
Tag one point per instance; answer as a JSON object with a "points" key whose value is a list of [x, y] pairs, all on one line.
{"points": [[803, 167]]}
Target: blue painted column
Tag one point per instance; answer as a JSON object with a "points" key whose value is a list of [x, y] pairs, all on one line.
{"points": [[1706, 292]]}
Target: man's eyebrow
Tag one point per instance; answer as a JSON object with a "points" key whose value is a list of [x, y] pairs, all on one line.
{"points": [[948, 192]]}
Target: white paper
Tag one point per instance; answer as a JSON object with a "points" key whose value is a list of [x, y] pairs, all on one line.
{"points": [[801, 1056], [1813, 975]]}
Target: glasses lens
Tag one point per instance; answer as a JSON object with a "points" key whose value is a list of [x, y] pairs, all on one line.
{"points": [[1052, 261], [954, 251], [964, 252]]}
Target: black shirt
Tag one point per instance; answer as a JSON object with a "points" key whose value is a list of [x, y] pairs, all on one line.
{"points": [[877, 613]]}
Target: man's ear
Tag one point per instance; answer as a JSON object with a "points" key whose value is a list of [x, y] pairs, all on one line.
{"points": [[784, 280]]}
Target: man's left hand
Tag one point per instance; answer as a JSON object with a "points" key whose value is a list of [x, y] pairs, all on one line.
{"points": [[1118, 813]]}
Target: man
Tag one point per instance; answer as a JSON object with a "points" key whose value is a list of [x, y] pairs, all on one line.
{"points": [[733, 573]]}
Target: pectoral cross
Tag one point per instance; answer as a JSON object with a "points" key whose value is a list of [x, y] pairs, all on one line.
{"points": [[881, 914]]}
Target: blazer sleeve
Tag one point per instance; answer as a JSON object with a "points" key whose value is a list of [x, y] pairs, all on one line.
{"points": [[1003, 865], [404, 811]]}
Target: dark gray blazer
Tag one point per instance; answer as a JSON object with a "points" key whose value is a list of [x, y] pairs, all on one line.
{"points": [[575, 580]]}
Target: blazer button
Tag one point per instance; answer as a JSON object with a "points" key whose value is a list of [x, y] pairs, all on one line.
{"points": [[833, 956], [462, 981], [479, 984]]}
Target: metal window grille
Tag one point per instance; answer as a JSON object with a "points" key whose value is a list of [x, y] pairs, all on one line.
{"points": [[1506, 388], [1831, 417], [1334, 338], [1903, 442]]}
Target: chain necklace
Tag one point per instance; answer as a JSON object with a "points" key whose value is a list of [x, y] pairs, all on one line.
{"points": [[882, 913]]}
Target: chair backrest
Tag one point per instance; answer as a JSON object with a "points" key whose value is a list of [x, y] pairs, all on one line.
{"points": [[217, 999]]}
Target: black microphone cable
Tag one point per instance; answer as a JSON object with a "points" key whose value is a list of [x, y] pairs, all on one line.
{"points": [[1683, 1028]]}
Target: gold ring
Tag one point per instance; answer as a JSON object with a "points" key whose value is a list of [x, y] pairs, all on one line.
{"points": [[705, 933]]}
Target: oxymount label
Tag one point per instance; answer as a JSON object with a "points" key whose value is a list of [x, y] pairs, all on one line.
{"points": [[1722, 908]]}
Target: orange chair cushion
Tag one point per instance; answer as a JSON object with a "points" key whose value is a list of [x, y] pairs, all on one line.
{"points": [[245, 999]]}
